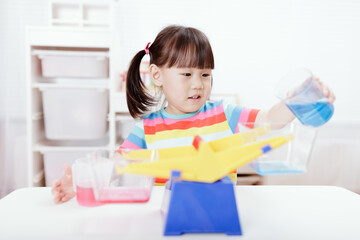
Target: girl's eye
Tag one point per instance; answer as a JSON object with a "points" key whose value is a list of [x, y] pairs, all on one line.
{"points": [[187, 74], [206, 75]]}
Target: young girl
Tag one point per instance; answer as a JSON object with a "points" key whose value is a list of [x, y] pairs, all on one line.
{"points": [[181, 63]]}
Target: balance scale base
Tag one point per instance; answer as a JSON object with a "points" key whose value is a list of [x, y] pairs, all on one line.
{"points": [[196, 207]]}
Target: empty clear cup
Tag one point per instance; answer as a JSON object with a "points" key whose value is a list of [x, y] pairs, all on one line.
{"points": [[291, 157], [303, 95]]}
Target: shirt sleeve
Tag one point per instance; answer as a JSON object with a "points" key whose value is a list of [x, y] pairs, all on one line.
{"points": [[236, 115], [136, 138]]}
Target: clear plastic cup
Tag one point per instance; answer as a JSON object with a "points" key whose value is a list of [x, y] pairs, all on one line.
{"points": [[124, 187], [303, 95], [291, 157], [90, 173], [96, 181]]}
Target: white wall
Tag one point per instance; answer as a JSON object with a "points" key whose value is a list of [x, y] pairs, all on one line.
{"points": [[256, 42], [14, 16]]}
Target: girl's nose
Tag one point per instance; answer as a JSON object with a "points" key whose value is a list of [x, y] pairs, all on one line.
{"points": [[197, 83]]}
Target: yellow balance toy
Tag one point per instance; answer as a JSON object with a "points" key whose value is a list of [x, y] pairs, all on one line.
{"points": [[204, 161]]}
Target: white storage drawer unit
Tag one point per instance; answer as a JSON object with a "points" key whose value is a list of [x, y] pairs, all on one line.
{"points": [[75, 113], [75, 64]]}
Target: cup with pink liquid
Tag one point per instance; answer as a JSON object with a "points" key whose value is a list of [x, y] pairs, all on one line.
{"points": [[124, 187], [97, 182], [89, 174]]}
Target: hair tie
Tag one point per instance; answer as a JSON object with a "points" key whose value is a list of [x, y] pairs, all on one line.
{"points": [[147, 48]]}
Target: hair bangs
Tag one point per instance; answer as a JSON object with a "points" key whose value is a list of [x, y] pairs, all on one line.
{"points": [[190, 50]]}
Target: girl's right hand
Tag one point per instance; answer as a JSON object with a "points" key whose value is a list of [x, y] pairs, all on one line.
{"points": [[62, 188]]}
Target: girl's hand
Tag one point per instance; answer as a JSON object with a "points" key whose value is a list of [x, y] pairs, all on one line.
{"points": [[62, 188], [326, 91]]}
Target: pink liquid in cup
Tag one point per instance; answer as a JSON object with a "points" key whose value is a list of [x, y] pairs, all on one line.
{"points": [[85, 197], [124, 195]]}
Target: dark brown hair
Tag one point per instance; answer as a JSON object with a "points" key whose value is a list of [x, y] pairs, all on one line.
{"points": [[174, 46]]}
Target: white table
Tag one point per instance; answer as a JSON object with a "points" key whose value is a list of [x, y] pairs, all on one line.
{"points": [[266, 212]]}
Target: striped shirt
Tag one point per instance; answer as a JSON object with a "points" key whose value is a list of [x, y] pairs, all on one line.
{"points": [[212, 121]]}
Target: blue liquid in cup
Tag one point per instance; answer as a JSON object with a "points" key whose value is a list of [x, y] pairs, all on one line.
{"points": [[313, 113]]}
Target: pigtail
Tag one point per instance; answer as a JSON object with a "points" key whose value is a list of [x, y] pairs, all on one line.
{"points": [[138, 100]]}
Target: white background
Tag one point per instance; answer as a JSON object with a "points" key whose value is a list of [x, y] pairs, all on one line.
{"points": [[255, 43]]}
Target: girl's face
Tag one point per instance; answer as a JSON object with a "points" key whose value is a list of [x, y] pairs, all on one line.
{"points": [[185, 89]]}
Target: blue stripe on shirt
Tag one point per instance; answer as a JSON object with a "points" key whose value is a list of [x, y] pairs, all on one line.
{"points": [[234, 120], [206, 107], [137, 141]]}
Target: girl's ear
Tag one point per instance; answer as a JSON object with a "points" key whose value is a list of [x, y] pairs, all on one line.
{"points": [[155, 75]]}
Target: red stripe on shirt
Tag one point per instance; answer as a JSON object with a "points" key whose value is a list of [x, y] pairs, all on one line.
{"points": [[251, 119], [183, 125]]}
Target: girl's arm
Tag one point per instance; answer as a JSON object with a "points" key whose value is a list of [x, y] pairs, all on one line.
{"points": [[279, 115]]}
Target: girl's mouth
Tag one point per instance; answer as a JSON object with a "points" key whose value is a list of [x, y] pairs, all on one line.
{"points": [[195, 97]]}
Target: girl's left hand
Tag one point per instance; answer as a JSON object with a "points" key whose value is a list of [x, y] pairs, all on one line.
{"points": [[326, 91]]}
